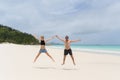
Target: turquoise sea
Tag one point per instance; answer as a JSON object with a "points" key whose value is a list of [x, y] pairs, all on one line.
{"points": [[109, 49]]}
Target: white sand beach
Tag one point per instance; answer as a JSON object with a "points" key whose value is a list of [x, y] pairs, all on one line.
{"points": [[16, 63]]}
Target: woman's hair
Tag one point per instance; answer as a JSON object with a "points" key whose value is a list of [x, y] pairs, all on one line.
{"points": [[42, 37]]}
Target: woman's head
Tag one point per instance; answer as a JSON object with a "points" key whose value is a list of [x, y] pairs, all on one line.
{"points": [[42, 37]]}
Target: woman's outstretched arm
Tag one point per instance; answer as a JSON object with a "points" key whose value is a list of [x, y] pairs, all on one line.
{"points": [[49, 39], [36, 37]]}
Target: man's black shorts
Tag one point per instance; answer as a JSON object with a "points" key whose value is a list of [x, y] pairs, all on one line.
{"points": [[67, 51]]}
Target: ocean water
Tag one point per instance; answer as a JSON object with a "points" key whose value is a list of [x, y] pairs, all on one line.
{"points": [[108, 49]]}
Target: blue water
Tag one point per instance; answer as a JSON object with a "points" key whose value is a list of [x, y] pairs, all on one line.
{"points": [[95, 47], [113, 48]]}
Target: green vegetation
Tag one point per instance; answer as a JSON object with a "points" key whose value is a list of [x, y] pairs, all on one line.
{"points": [[10, 35]]}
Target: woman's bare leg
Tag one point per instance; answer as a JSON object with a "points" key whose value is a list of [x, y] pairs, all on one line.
{"points": [[64, 60], [73, 59], [50, 57], [37, 57]]}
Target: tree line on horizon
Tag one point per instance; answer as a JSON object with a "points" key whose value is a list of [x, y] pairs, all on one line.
{"points": [[8, 34]]}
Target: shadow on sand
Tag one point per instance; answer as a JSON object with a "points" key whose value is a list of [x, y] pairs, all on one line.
{"points": [[70, 69], [53, 68], [44, 67]]}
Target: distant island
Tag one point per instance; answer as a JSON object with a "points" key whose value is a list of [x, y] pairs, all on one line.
{"points": [[7, 34]]}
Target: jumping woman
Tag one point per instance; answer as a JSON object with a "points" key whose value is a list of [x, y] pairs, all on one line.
{"points": [[43, 49]]}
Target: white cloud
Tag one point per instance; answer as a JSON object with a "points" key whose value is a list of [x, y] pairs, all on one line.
{"points": [[61, 16]]}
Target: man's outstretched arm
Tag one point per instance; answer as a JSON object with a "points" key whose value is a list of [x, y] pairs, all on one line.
{"points": [[60, 38], [75, 40]]}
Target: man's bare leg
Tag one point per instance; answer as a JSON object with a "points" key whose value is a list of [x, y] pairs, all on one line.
{"points": [[50, 57], [73, 59], [37, 57], [64, 60]]}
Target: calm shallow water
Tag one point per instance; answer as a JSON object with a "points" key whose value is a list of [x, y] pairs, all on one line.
{"points": [[93, 48]]}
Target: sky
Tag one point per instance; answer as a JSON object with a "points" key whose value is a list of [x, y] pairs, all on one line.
{"points": [[92, 21]]}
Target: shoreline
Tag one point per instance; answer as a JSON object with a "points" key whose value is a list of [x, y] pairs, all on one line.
{"points": [[91, 50], [109, 52]]}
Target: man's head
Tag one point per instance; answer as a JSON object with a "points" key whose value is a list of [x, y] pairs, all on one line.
{"points": [[67, 37]]}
